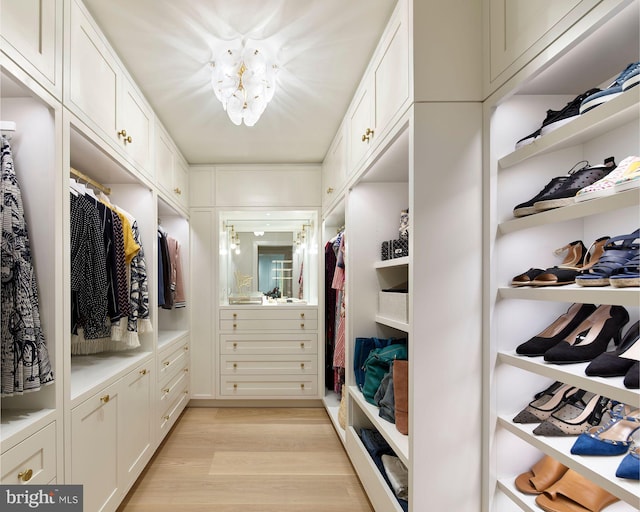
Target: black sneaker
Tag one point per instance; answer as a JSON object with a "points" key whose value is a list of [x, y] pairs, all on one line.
{"points": [[556, 118], [578, 179], [527, 208]]}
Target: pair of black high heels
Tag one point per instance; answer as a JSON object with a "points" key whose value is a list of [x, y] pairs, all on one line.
{"points": [[620, 362], [580, 335]]}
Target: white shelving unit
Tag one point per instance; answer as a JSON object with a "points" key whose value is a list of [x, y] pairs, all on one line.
{"points": [[513, 315]]}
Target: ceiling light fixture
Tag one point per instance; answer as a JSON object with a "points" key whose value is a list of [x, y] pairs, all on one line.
{"points": [[244, 80]]}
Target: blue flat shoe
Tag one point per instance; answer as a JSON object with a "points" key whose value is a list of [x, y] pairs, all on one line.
{"points": [[614, 438], [630, 466]]}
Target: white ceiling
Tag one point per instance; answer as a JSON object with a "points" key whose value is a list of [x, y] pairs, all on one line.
{"points": [[167, 46]]}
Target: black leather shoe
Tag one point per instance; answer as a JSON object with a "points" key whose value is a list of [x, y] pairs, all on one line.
{"points": [[610, 364]]}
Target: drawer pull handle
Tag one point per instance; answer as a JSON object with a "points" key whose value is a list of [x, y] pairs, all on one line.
{"points": [[186, 391], [302, 386], [143, 371], [235, 345], [235, 315], [302, 365], [302, 345], [167, 363], [177, 191], [186, 370], [104, 399], [235, 386], [25, 476], [122, 133], [330, 190], [166, 390], [166, 417], [301, 326], [186, 347], [301, 315], [235, 325]]}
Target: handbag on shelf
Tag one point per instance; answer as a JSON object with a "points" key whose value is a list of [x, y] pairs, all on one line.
{"points": [[377, 366], [362, 348]]}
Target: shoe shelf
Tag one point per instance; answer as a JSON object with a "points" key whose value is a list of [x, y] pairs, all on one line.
{"points": [[628, 297], [573, 374], [398, 442], [606, 204], [374, 483], [600, 470], [527, 502], [612, 114]]}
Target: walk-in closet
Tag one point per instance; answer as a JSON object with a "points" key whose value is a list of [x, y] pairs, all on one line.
{"points": [[279, 255]]}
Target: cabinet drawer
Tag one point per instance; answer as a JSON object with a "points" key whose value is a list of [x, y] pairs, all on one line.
{"points": [[174, 408], [170, 390], [293, 344], [33, 461], [269, 325], [292, 386], [268, 365], [268, 313], [172, 361]]}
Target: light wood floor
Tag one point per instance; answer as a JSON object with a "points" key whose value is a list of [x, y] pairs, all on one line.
{"points": [[249, 460]]}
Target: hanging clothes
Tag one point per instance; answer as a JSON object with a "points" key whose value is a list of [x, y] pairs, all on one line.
{"points": [[167, 283], [338, 285], [329, 312], [25, 363], [177, 280]]}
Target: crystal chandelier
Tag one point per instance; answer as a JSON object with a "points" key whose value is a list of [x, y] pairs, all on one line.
{"points": [[243, 80]]}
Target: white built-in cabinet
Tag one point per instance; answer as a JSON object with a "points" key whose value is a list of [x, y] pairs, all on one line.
{"points": [[597, 47], [334, 169], [112, 407], [172, 171], [422, 152], [31, 33]]}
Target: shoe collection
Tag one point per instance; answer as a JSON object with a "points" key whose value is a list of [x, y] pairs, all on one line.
{"points": [[583, 334], [602, 427], [610, 261], [588, 100], [584, 182]]}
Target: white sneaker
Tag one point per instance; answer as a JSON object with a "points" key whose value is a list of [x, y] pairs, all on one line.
{"points": [[607, 185]]}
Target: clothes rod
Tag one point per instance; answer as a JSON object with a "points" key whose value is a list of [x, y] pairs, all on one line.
{"points": [[89, 181]]}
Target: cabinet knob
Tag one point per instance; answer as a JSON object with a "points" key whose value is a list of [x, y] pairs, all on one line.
{"points": [[122, 133], [177, 191], [330, 190], [301, 315], [186, 347], [235, 315], [128, 139], [235, 365], [235, 386], [235, 345], [235, 325], [302, 366], [166, 390], [365, 138], [369, 132], [167, 363], [302, 386], [186, 391], [302, 345], [143, 371], [104, 399], [25, 476], [166, 417], [301, 326], [186, 370]]}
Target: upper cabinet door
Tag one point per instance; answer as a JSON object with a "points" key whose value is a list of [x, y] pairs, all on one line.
{"points": [[391, 73], [136, 127], [94, 75], [361, 125], [32, 36], [165, 159], [520, 29], [334, 169]]}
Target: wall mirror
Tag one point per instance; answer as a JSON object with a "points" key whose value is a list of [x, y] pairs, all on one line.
{"points": [[268, 257]]}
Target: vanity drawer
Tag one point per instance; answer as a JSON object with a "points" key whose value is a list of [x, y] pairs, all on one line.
{"points": [[173, 360], [271, 324], [269, 313], [291, 386], [170, 389], [255, 344], [33, 461], [268, 365]]}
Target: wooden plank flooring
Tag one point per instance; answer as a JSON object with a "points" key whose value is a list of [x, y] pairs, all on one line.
{"points": [[249, 460]]}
